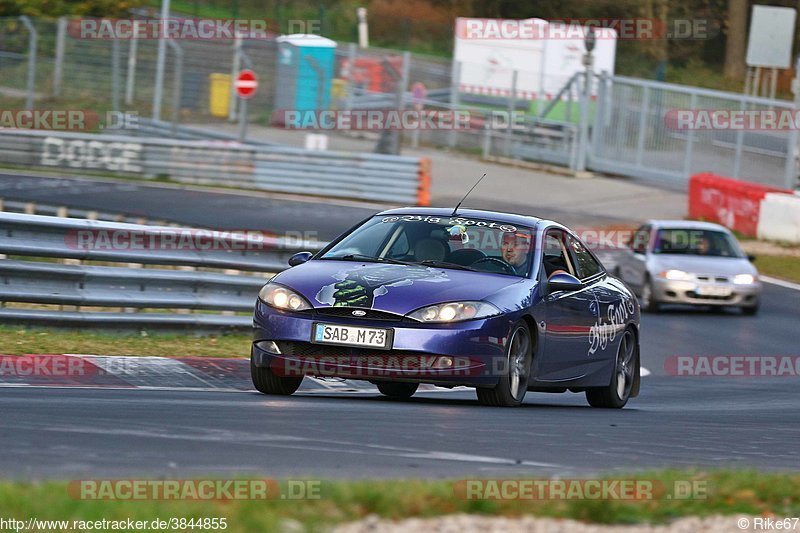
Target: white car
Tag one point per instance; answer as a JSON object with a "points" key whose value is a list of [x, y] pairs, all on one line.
{"points": [[686, 262]]}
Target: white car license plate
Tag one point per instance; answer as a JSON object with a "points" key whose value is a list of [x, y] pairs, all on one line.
{"points": [[714, 291], [351, 336]]}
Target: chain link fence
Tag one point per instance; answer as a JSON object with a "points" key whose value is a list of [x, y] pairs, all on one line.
{"points": [[637, 132], [44, 64]]}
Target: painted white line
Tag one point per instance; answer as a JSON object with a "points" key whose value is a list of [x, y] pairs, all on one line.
{"points": [[451, 456], [780, 282], [644, 372]]}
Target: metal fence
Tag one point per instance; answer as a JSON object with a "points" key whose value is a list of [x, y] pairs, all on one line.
{"points": [[386, 178], [105, 75], [121, 291], [112, 74], [634, 134], [41, 59]]}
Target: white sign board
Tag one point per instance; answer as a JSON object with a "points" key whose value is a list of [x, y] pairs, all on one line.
{"points": [[771, 37], [490, 50]]}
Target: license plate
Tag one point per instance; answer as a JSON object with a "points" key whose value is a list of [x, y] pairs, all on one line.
{"points": [[351, 336], [714, 291]]}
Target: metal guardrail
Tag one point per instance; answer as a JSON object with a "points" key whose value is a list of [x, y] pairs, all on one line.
{"points": [[385, 178], [35, 208], [129, 285], [159, 129]]}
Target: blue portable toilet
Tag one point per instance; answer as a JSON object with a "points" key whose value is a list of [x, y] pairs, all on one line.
{"points": [[305, 70]]}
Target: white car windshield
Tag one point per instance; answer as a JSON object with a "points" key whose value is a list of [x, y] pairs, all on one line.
{"points": [[696, 242]]}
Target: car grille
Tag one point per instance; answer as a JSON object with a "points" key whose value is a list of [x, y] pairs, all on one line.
{"points": [[355, 356], [308, 349], [692, 294], [718, 279], [347, 312]]}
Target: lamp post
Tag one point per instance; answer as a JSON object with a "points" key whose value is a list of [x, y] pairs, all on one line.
{"points": [[583, 133], [161, 59]]}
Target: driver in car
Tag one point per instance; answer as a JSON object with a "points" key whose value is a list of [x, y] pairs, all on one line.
{"points": [[515, 250]]}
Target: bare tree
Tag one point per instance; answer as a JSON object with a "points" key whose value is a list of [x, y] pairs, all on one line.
{"points": [[736, 40]]}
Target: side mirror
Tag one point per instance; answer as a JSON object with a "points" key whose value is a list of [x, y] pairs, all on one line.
{"points": [[751, 257], [299, 258], [563, 282]]}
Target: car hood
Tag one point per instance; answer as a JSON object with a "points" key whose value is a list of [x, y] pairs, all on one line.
{"points": [[717, 266], [388, 287]]}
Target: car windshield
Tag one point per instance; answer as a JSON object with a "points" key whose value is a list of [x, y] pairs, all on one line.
{"points": [[696, 242], [461, 243]]}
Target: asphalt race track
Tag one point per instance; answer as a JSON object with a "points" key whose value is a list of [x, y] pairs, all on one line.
{"points": [[190, 207], [677, 421], [61, 433]]}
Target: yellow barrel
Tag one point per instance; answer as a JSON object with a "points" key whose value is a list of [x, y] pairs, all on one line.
{"points": [[338, 90], [219, 95]]}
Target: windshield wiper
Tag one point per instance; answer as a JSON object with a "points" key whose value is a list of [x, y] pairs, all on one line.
{"points": [[362, 257], [445, 264]]}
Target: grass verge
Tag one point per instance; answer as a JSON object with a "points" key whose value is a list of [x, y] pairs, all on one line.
{"points": [[20, 341], [779, 266], [728, 492]]}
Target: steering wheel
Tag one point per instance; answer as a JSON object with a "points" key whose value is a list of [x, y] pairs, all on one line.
{"points": [[505, 267]]}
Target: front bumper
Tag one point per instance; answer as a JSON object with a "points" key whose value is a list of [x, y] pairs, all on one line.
{"points": [[419, 352], [705, 293]]}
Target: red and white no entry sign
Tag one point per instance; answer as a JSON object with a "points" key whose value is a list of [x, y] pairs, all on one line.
{"points": [[246, 84]]}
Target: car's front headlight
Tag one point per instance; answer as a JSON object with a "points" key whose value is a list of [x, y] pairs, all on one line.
{"points": [[281, 297], [675, 275], [744, 279], [454, 312]]}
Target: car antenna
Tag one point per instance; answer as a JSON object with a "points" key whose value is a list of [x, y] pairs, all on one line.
{"points": [[465, 196]]}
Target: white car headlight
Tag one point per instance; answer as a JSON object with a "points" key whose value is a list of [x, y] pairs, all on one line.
{"points": [[454, 312], [280, 297], [675, 275], [744, 279]]}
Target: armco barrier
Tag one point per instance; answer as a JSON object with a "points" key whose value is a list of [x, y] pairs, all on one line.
{"points": [[364, 176], [733, 203], [125, 283], [779, 219]]}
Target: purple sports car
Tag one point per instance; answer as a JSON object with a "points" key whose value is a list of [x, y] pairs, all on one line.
{"points": [[500, 302]]}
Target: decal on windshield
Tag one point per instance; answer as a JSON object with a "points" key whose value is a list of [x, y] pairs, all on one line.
{"points": [[454, 221]]}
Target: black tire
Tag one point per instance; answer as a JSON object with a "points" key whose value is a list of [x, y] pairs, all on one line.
{"points": [[750, 310], [648, 302], [266, 382], [617, 393], [513, 384], [398, 390]]}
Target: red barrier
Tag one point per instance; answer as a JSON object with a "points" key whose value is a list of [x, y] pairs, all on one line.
{"points": [[732, 203]]}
